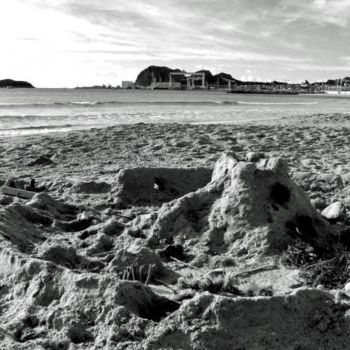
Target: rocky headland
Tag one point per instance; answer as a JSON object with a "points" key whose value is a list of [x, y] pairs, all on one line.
{"points": [[161, 74], [9, 83]]}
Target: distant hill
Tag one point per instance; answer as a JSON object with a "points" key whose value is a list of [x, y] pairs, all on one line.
{"points": [[209, 78], [221, 78], [9, 83], [161, 74]]}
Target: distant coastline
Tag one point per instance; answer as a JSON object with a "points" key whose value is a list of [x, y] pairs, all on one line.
{"points": [[10, 84], [165, 78]]}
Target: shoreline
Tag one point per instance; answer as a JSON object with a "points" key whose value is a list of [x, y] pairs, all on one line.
{"points": [[336, 119]]}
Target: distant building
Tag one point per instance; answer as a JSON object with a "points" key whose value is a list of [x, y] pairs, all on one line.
{"points": [[127, 84]]}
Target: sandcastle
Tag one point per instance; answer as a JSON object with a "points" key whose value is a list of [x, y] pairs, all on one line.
{"points": [[73, 280], [247, 210]]}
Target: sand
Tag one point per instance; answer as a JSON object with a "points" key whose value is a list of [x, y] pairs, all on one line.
{"points": [[108, 258]]}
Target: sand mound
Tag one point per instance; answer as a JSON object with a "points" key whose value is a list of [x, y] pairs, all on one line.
{"points": [[248, 209], [57, 209], [91, 187], [140, 259], [19, 226], [306, 319], [59, 254], [50, 302], [154, 186]]}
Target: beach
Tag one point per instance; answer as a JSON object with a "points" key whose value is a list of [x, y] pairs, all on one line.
{"points": [[175, 175], [98, 233], [315, 145]]}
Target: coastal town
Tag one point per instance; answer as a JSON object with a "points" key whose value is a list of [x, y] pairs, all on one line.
{"points": [[164, 78]]}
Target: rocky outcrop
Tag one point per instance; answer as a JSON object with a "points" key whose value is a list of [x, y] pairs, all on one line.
{"points": [[217, 79], [221, 79], [160, 74], [9, 83]]}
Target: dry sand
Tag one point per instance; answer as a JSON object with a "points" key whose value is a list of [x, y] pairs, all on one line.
{"points": [[106, 258]]}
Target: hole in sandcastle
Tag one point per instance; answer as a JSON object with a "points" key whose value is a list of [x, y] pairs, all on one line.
{"points": [[141, 300], [159, 184], [291, 228], [160, 309], [305, 226], [77, 334], [275, 207], [280, 193]]}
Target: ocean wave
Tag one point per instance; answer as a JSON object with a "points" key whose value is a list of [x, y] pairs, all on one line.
{"points": [[38, 127], [29, 117], [87, 104], [106, 103], [48, 104], [259, 103]]}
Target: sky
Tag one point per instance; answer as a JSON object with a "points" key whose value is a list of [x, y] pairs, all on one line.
{"points": [[68, 43]]}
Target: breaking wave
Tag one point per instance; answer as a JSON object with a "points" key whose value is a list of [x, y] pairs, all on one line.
{"points": [[73, 104]]}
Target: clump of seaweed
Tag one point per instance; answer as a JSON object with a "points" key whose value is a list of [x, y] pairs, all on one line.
{"points": [[330, 269], [253, 289], [298, 254], [226, 282], [223, 283]]}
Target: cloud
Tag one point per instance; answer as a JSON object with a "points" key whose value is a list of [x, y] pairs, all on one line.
{"points": [[321, 12], [281, 37]]}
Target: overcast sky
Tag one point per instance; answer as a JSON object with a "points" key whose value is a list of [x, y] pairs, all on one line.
{"points": [[64, 43]]}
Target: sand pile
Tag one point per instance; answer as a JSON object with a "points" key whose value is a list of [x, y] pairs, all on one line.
{"points": [[305, 319], [51, 294], [247, 210], [86, 276]]}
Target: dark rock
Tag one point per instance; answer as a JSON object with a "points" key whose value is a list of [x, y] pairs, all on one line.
{"points": [[161, 74]]}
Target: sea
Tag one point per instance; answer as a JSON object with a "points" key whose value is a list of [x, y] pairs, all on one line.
{"points": [[35, 111]]}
